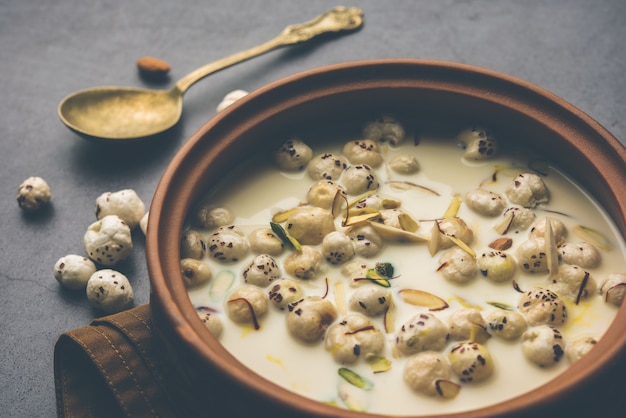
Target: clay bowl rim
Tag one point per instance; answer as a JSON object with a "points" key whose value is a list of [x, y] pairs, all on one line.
{"points": [[183, 180]]}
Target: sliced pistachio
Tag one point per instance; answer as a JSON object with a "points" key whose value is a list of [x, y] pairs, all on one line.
{"points": [[378, 364], [407, 222], [396, 234], [355, 379], [384, 269], [453, 207], [387, 203], [447, 388], [285, 236], [407, 185], [593, 237], [552, 255], [221, 283], [422, 298], [503, 226], [500, 305], [501, 244]]}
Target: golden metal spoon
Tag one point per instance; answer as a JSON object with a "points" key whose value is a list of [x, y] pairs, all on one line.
{"points": [[121, 113]]}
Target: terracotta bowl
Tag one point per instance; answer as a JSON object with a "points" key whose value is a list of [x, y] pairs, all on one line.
{"points": [[213, 378]]}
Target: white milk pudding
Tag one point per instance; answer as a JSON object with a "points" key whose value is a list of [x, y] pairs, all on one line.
{"points": [[392, 273]]}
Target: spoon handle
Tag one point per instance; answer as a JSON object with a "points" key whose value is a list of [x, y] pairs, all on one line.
{"points": [[335, 20]]}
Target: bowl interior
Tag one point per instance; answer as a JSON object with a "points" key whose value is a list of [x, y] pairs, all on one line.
{"points": [[435, 95]]}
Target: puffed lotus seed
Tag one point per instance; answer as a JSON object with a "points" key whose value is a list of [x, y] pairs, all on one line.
{"points": [[195, 272], [471, 361], [543, 345], [308, 318], [108, 240], [210, 217], [265, 241], [109, 291], [126, 204], [212, 322], [528, 190], [404, 164], [261, 271], [231, 98], [326, 166], [363, 151], [33, 193], [283, 292], [352, 338], [192, 245], [480, 144], [293, 155], [386, 129], [423, 370], [143, 223], [73, 271]]}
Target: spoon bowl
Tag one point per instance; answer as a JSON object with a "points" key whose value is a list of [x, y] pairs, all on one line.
{"points": [[125, 113], [121, 113]]}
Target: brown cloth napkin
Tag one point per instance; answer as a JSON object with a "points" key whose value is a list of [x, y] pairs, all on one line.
{"points": [[117, 367]]}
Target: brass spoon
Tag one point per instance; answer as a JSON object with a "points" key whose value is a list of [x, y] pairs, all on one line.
{"points": [[121, 113]]}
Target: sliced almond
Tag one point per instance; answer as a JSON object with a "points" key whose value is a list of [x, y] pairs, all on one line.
{"points": [[340, 297], [552, 254], [503, 226], [453, 208], [501, 244], [282, 216], [461, 244], [435, 239], [353, 220], [389, 318], [396, 234], [422, 298], [447, 388]]}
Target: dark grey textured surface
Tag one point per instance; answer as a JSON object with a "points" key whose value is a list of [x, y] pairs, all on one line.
{"points": [[49, 48]]}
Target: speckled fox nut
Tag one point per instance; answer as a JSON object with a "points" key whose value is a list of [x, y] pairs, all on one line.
{"points": [[109, 291], [73, 271], [480, 144], [230, 98], [108, 240], [33, 194], [528, 190], [293, 155], [352, 338], [126, 204], [309, 318], [423, 370]]}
